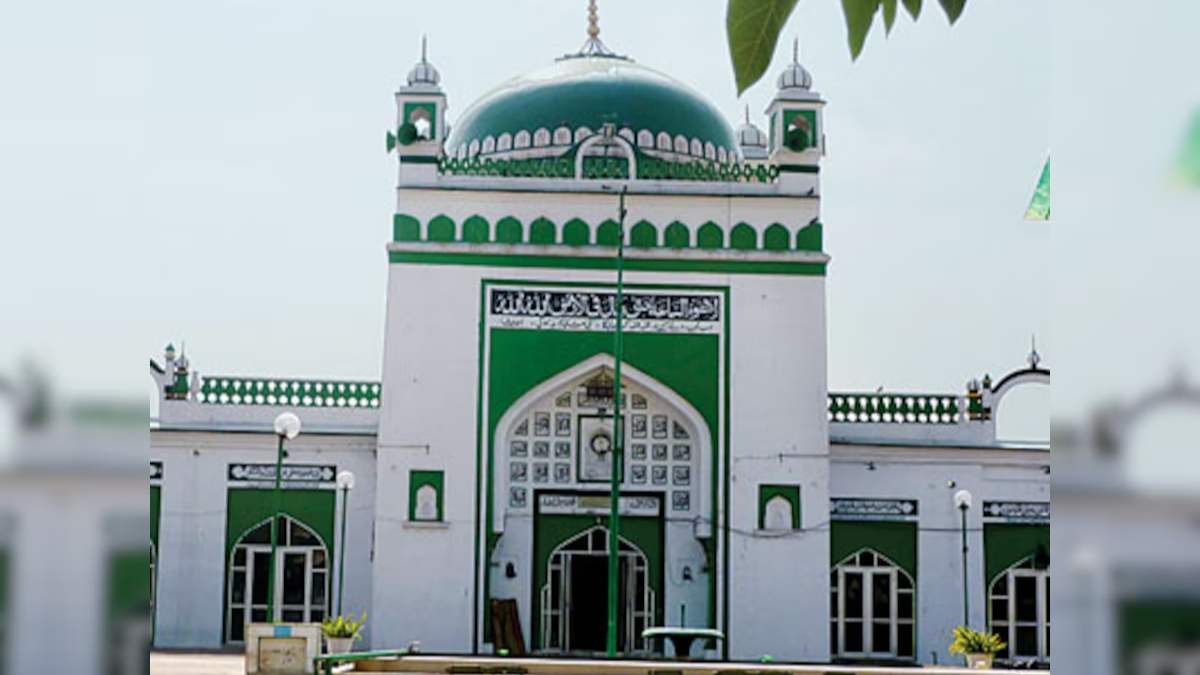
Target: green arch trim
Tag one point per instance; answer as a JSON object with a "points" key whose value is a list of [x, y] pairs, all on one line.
{"points": [[476, 230], [576, 233], [405, 228], [677, 236], [743, 238], [509, 231], [607, 233], [710, 236], [542, 231], [644, 235], [811, 238], [777, 238], [441, 228]]}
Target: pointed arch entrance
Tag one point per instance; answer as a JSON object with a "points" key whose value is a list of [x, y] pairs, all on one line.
{"points": [[301, 577], [574, 599]]}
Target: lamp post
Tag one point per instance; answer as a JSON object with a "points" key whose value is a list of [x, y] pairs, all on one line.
{"points": [[345, 483], [962, 501], [287, 427], [614, 518]]}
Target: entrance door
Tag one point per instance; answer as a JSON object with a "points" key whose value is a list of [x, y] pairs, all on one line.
{"points": [[575, 598], [301, 582]]}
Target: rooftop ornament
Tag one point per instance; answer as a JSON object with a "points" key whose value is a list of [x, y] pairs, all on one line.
{"points": [[594, 47]]}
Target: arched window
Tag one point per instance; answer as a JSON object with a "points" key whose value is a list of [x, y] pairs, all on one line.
{"points": [[301, 577], [872, 606], [1019, 610], [778, 514]]}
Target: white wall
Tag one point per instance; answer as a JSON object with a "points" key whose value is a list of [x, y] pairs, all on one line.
{"points": [[924, 474], [191, 557]]}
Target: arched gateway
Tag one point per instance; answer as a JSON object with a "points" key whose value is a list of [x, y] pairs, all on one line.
{"points": [[553, 463]]}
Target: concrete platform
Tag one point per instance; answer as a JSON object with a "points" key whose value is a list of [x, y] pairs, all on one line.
{"points": [[169, 663]]}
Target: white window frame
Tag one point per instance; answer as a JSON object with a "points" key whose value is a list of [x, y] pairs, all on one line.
{"points": [[1007, 629], [882, 567]]}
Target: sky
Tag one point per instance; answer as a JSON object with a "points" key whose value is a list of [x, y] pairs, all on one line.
{"points": [[214, 174]]}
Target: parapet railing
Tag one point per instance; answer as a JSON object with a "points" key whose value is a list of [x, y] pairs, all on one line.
{"points": [[889, 408], [230, 390]]}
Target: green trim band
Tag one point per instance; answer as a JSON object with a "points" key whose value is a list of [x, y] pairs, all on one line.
{"points": [[785, 168], [418, 159], [634, 264]]}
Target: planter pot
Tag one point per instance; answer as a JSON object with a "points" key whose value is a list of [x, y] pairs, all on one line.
{"points": [[339, 645], [979, 661]]}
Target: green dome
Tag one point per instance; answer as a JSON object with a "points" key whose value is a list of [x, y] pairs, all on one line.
{"points": [[586, 92]]}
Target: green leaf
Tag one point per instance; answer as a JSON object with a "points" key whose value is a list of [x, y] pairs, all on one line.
{"points": [[753, 28], [889, 15], [1039, 205], [860, 14], [914, 8], [953, 8]]}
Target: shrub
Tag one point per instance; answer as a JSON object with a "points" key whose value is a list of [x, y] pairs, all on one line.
{"points": [[967, 641], [343, 626]]}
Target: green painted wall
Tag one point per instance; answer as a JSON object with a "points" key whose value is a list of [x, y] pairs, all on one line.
{"points": [[248, 507], [1006, 545], [155, 510], [419, 479], [789, 492], [521, 360], [128, 589], [552, 530], [1156, 622], [896, 541]]}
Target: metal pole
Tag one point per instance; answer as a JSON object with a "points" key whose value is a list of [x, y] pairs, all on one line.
{"points": [[614, 518], [966, 587], [274, 533], [342, 552]]}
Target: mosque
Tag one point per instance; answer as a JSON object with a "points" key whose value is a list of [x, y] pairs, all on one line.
{"points": [[461, 500]]}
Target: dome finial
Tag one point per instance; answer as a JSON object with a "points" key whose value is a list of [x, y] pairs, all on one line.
{"points": [[747, 113], [796, 50], [424, 49], [423, 73], [593, 20]]}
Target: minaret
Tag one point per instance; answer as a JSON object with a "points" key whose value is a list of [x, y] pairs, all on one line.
{"points": [[797, 133], [752, 141], [420, 121]]}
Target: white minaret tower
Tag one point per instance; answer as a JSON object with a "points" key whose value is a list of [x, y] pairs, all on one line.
{"points": [[797, 132], [420, 121]]}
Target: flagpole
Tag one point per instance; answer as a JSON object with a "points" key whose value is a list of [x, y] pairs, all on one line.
{"points": [[614, 518]]}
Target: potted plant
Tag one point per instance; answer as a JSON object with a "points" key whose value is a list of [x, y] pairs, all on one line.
{"points": [[979, 648], [341, 632]]}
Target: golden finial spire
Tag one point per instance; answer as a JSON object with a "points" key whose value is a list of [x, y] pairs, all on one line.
{"points": [[593, 20]]}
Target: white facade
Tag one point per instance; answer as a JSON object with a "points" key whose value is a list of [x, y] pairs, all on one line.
{"points": [[483, 453]]}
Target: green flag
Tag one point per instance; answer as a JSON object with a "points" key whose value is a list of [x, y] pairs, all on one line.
{"points": [[1188, 170], [1039, 206]]}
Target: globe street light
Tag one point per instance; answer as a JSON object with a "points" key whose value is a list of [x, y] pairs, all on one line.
{"points": [[287, 427], [345, 483], [962, 501]]}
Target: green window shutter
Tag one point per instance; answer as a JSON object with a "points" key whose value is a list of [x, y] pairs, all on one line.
{"points": [[776, 238], [420, 479], [710, 236], [542, 231], [441, 228], [607, 233], [1005, 545], [677, 236], [895, 540], [576, 233], [644, 235], [405, 228], [789, 492], [509, 231], [743, 238], [476, 230]]}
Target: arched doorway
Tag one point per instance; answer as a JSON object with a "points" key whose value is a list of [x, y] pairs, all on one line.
{"points": [[1019, 610], [574, 600], [872, 608], [301, 577]]}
